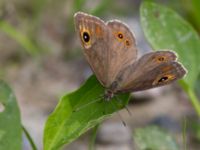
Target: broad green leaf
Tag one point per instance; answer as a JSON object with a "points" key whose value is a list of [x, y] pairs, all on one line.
{"points": [[165, 29], [10, 126], [153, 138], [67, 123]]}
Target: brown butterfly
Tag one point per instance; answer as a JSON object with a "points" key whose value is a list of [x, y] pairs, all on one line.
{"points": [[110, 49]]}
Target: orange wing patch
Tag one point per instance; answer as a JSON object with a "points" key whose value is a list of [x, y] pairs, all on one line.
{"points": [[98, 31]]}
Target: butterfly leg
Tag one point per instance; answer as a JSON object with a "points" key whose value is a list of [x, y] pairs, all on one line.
{"points": [[123, 122], [126, 107]]}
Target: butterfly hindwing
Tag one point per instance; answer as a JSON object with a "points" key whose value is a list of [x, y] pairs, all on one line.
{"points": [[151, 70], [122, 49]]}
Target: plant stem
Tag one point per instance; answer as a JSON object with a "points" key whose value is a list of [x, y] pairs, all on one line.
{"points": [[194, 100], [29, 138], [184, 133], [93, 137]]}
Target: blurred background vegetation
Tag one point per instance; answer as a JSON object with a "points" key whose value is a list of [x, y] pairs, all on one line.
{"points": [[41, 58]]}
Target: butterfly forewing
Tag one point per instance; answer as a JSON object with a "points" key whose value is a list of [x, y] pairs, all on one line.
{"points": [[93, 34], [110, 47]]}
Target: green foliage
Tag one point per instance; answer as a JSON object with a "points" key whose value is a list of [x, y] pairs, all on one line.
{"points": [[153, 138], [79, 5], [192, 8], [66, 124], [196, 12], [19, 37], [102, 7], [193, 125], [10, 127], [165, 29]]}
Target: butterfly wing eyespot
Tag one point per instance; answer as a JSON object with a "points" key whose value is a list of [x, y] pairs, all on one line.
{"points": [[161, 58], [127, 42], [164, 56], [119, 36], [86, 38], [163, 79]]}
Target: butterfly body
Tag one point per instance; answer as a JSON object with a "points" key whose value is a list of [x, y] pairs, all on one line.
{"points": [[110, 49]]}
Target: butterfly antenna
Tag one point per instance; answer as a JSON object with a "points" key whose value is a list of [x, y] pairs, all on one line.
{"points": [[94, 101], [124, 123], [126, 107]]}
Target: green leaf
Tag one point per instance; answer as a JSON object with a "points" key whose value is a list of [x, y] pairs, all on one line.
{"points": [[65, 125], [153, 138], [165, 29], [10, 126]]}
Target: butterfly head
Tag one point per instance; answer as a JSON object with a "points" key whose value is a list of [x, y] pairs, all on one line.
{"points": [[108, 95]]}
